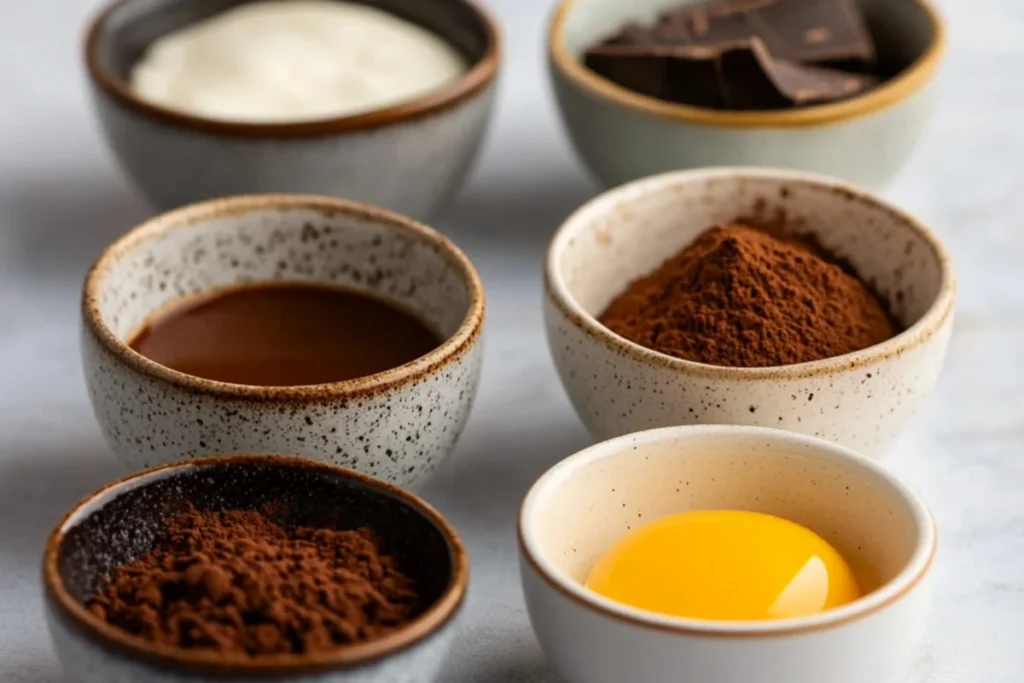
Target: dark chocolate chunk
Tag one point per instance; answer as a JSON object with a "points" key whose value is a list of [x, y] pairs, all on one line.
{"points": [[632, 34], [738, 76], [803, 31], [753, 79], [686, 75]]}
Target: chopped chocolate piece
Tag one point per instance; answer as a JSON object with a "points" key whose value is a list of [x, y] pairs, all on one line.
{"points": [[632, 34], [804, 31], [745, 54], [708, 24], [738, 76], [752, 79], [815, 31], [687, 75]]}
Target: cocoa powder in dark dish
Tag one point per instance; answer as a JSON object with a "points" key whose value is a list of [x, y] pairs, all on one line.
{"points": [[237, 582], [741, 297]]}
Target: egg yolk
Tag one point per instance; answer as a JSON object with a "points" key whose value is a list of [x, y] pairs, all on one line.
{"points": [[725, 564]]}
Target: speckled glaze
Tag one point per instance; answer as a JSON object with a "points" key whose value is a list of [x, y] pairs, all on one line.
{"points": [[862, 400], [582, 506], [118, 523], [409, 158], [396, 425], [622, 135]]}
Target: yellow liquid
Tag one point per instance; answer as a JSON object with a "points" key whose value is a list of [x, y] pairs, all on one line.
{"points": [[725, 565]]}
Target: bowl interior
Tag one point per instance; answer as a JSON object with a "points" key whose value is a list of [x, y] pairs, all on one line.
{"points": [[628, 232], [128, 29], [902, 29], [119, 525], [212, 246], [582, 507]]}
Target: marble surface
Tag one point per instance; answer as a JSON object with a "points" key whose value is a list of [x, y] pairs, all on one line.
{"points": [[62, 199]]}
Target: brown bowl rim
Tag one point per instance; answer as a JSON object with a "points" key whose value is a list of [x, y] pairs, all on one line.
{"points": [[929, 324], [452, 348], [751, 630], [479, 76], [903, 85], [121, 642]]}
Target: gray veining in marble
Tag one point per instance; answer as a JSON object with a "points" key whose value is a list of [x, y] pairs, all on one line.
{"points": [[61, 199]]}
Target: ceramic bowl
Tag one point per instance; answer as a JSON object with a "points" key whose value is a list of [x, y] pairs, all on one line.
{"points": [[582, 506], [861, 400], [396, 425], [622, 135], [410, 157], [117, 524]]}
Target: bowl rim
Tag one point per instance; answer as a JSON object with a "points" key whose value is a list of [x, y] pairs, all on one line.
{"points": [[476, 79], [557, 291], [918, 566], [900, 87], [453, 347], [111, 638]]}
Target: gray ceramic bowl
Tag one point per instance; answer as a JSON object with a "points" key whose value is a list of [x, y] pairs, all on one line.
{"points": [[397, 425], [409, 157], [116, 524], [622, 135]]}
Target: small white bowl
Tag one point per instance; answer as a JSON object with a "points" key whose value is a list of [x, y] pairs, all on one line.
{"points": [[861, 400], [622, 135], [397, 425], [582, 506]]}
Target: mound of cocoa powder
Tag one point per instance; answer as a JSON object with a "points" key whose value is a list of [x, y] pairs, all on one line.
{"points": [[237, 582], [741, 297]]}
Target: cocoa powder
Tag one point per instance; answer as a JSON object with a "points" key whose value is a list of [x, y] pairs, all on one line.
{"points": [[237, 582], [741, 297]]}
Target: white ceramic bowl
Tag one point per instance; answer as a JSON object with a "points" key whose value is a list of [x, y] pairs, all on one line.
{"points": [[116, 524], [582, 506], [622, 135], [397, 425], [862, 400], [410, 157]]}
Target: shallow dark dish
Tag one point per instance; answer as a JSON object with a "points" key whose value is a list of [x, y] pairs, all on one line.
{"points": [[177, 158], [116, 524]]}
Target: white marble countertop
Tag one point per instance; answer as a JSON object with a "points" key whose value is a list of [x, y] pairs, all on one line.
{"points": [[62, 199]]}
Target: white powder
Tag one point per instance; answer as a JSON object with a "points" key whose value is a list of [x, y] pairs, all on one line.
{"points": [[294, 60]]}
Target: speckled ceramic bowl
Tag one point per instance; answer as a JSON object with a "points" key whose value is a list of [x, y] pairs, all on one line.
{"points": [[117, 524], [410, 157], [622, 135], [396, 425], [862, 400], [587, 502]]}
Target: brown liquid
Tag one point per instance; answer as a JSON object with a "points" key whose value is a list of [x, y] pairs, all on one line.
{"points": [[284, 335]]}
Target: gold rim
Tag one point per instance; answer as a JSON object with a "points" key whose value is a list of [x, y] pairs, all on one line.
{"points": [[452, 348], [480, 76], [114, 639], [912, 79], [930, 323], [742, 629]]}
